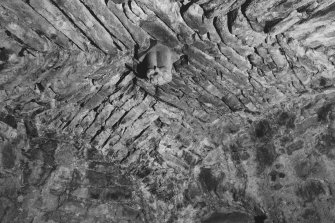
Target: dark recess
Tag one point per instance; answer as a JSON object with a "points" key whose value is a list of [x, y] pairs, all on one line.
{"points": [[4, 54], [40, 87], [323, 81], [231, 17], [244, 7], [184, 8], [304, 8], [263, 128], [141, 70], [8, 119], [270, 24], [117, 1], [21, 53], [260, 218], [8, 33], [323, 112], [324, 12]]}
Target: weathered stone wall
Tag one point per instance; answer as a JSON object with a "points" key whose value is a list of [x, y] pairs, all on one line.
{"points": [[245, 132]]}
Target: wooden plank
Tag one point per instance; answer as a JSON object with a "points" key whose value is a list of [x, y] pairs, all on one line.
{"points": [[36, 22], [138, 34], [82, 17], [111, 22], [22, 33], [51, 13]]}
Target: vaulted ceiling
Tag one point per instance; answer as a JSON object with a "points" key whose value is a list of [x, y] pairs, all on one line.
{"points": [[244, 132]]}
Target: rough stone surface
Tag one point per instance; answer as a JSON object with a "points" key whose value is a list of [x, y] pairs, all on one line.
{"points": [[244, 131]]}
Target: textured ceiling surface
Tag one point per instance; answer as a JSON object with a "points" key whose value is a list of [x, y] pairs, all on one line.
{"points": [[244, 132]]}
